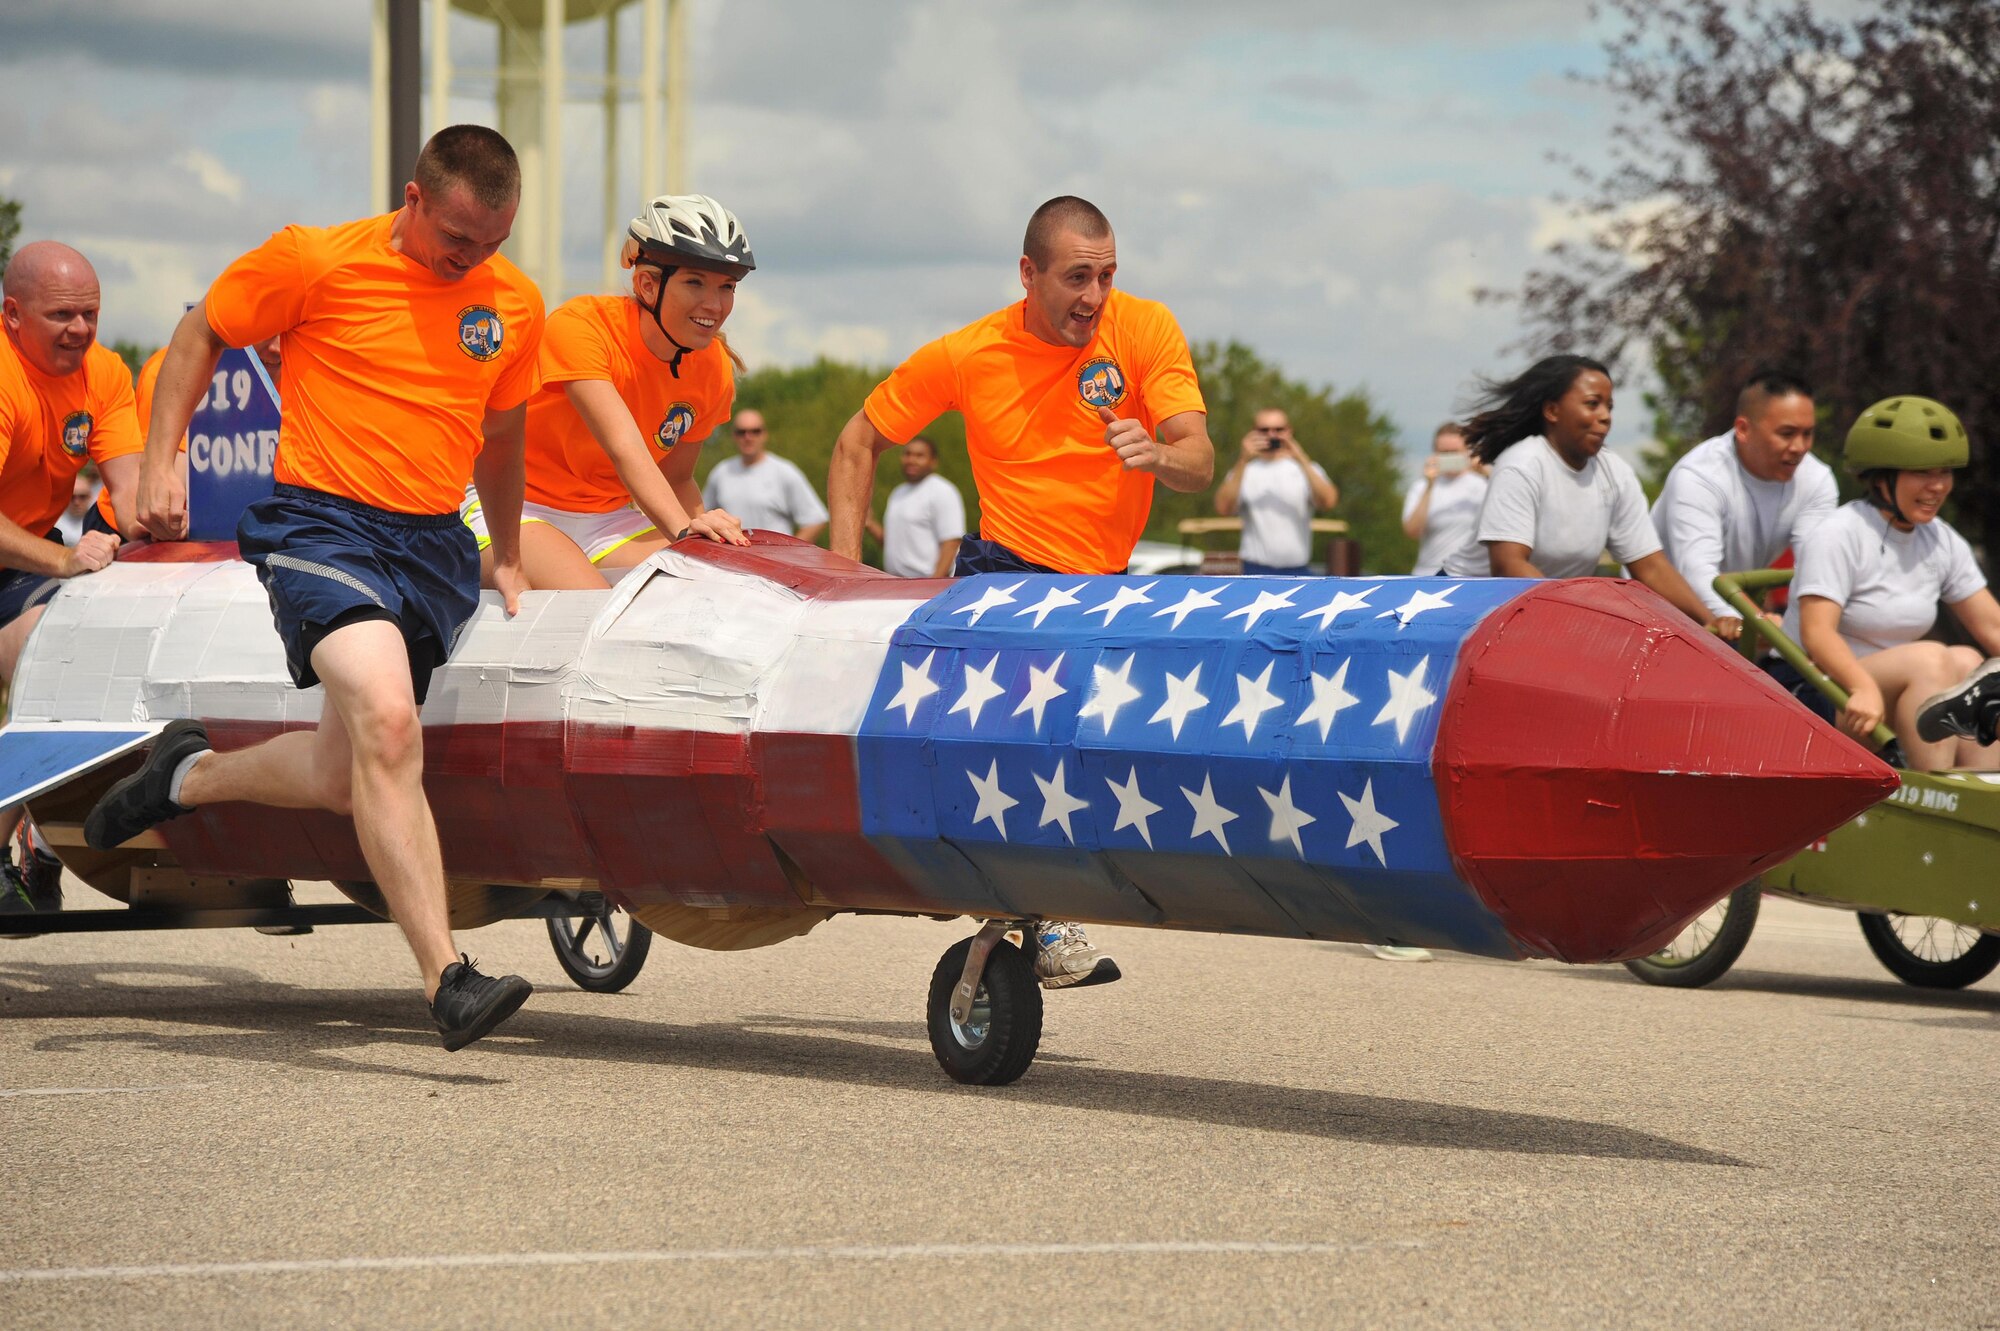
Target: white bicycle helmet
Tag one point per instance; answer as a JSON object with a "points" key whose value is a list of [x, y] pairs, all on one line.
{"points": [[693, 229]]}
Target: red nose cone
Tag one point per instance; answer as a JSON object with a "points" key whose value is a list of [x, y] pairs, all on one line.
{"points": [[1608, 771]]}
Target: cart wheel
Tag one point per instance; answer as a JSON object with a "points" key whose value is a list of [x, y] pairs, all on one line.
{"points": [[1929, 952], [1705, 950], [996, 1045], [602, 952]]}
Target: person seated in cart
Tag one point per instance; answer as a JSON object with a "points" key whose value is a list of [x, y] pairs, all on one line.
{"points": [[1741, 499], [604, 491], [1869, 579]]}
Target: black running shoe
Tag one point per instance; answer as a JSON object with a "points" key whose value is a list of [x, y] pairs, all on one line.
{"points": [[1970, 711], [44, 877], [140, 800], [469, 1005], [15, 898]]}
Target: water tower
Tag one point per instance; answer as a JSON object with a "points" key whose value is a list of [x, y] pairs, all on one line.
{"points": [[523, 90]]}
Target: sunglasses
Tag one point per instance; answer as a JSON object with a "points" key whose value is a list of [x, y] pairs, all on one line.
{"points": [[740, 433]]}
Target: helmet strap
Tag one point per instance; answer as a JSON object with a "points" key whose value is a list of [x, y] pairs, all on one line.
{"points": [[1885, 498], [659, 295]]}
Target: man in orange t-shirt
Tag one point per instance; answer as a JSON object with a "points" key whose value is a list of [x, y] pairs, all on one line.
{"points": [[409, 355], [1076, 401], [64, 399]]}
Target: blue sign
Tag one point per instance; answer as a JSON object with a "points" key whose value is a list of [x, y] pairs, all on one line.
{"points": [[232, 445]]}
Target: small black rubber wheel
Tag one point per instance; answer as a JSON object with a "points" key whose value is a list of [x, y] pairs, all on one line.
{"points": [[996, 1046], [1928, 952], [602, 952], [1705, 950]]}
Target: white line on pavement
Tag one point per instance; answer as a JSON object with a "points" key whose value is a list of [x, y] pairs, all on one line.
{"points": [[850, 1253], [100, 1090]]}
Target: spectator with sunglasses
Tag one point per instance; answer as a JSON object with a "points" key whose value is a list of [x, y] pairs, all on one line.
{"points": [[762, 489], [1277, 489]]}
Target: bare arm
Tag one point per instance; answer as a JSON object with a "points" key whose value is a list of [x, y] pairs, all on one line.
{"points": [[22, 549], [1510, 560], [850, 482], [1420, 516], [499, 474], [947, 556], [1819, 634], [183, 383], [1658, 573], [1182, 458], [664, 491], [1325, 494], [121, 482]]}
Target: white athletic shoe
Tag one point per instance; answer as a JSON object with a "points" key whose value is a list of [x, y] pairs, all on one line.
{"points": [[1066, 959], [1387, 952]]}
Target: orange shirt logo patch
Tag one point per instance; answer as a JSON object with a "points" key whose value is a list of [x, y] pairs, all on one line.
{"points": [[76, 433], [1100, 383], [479, 332], [674, 426]]}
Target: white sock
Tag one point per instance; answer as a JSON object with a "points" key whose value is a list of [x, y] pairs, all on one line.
{"points": [[181, 774]]}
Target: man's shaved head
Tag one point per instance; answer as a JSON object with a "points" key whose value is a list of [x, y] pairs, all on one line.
{"points": [[1063, 213], [48, 298], [39, 262]]}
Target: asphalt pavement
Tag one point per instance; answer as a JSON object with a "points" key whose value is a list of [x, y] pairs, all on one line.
{"points": [[223, 1129]]}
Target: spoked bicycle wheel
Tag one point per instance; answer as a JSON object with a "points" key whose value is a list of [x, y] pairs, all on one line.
{"points": [[1929, 952], [1705, 950]]}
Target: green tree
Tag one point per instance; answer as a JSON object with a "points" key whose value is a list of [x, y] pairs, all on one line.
{"points": [[10, 227], [806, 406], [1799, 190]]}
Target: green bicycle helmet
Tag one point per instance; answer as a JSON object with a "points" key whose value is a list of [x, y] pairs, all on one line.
{"points": [[1905, 434]]}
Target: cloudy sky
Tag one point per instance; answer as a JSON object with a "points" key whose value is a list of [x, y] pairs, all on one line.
{"points": [[1328, 182]]}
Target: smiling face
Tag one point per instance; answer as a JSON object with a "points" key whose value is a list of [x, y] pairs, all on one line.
{"points": [[1773, 442], [451, 233], [1576, 423], [1920, 494], [694, 304], [1066, 297], [50, 308]]}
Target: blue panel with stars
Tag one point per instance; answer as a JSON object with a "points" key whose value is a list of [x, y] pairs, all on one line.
{"points": [[1257, 718]]}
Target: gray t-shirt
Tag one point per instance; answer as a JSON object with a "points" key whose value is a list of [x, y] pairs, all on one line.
{"points": [[1887, 583], [920, 517], [1567, 518], [1715, 517], [1453, 515], [774, 495]]}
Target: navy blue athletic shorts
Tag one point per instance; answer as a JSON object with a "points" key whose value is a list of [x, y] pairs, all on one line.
{"points": [[21, 589], [327, 562], [976, 555]]}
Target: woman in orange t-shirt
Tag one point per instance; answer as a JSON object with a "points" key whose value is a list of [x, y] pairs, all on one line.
{"points": [[631, 387]]}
